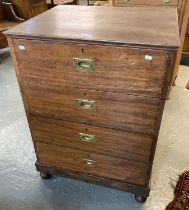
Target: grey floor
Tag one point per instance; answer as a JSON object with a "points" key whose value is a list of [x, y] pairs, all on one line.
{"points": [[22, 188]]}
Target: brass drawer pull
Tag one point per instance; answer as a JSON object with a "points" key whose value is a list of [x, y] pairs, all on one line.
{"points": [[90, 163], [85, 104], [87, 137], [166, 1], [83, 64]]}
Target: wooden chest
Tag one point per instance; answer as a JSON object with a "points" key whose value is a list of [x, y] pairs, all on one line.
{"points": [[93, 86]]}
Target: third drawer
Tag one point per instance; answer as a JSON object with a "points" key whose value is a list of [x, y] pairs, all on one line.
{"points": [[110, 142]]}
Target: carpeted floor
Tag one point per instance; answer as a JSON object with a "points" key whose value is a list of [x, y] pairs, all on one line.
{"points": [[22, 189]]}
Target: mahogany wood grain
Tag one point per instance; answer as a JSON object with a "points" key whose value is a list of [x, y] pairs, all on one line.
{"points": [[170, 64], [126, 145], [144, 3], [121, 111], [125, 186], [128, 113], [113, 25], [117, 69], [106, 166]]}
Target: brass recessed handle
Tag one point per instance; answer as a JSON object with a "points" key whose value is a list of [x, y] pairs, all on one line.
{"points": [[87, 137], [81, 64], [86, 104], [90, 163], [166, 1]]}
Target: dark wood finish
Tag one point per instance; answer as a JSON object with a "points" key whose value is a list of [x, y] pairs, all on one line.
{"points": [[135, 114], [124, 28], [140, 199], [104, 166], [2, 15], [107, 141], [45, 176], [127, 116], [133, 75], [125, 186], [170, 64], [145, 3]]}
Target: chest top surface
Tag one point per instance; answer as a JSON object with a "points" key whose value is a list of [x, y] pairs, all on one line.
{"points": [[149, 26]]}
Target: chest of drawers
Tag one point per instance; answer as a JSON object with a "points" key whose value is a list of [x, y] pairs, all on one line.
{"points": [[94, 89]]}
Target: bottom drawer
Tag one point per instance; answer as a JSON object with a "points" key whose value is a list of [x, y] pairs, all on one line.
{"points": [[91, 163]]}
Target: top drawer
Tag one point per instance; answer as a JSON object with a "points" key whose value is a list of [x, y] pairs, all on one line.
{"points": [[146, 2], [108, 68]]}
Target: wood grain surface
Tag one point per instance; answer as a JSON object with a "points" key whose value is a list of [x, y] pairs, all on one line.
{"points": [[115, 143], [125, 186], [111, 25], [117, 69], [133, 58], [124, 112], [106, 166]]}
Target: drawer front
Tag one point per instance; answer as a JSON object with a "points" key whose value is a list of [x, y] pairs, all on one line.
{"points": [[126, 145], [91, 163], [146, 2], [104, 68], [125, 112]]}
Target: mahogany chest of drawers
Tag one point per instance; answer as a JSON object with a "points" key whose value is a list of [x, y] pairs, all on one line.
{"points": [[93, 86]]}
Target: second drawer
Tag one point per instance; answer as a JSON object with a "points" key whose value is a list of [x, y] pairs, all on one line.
{"points": [[126, 145], [106, 109]]}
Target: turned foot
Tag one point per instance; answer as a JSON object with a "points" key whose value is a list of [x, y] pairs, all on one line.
{"points": [[45, 176], [140, 199]]}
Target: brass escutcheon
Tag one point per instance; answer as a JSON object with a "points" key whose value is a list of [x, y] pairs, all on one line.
{"points": [[86, 104], [90, 163], [87, 137]]}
